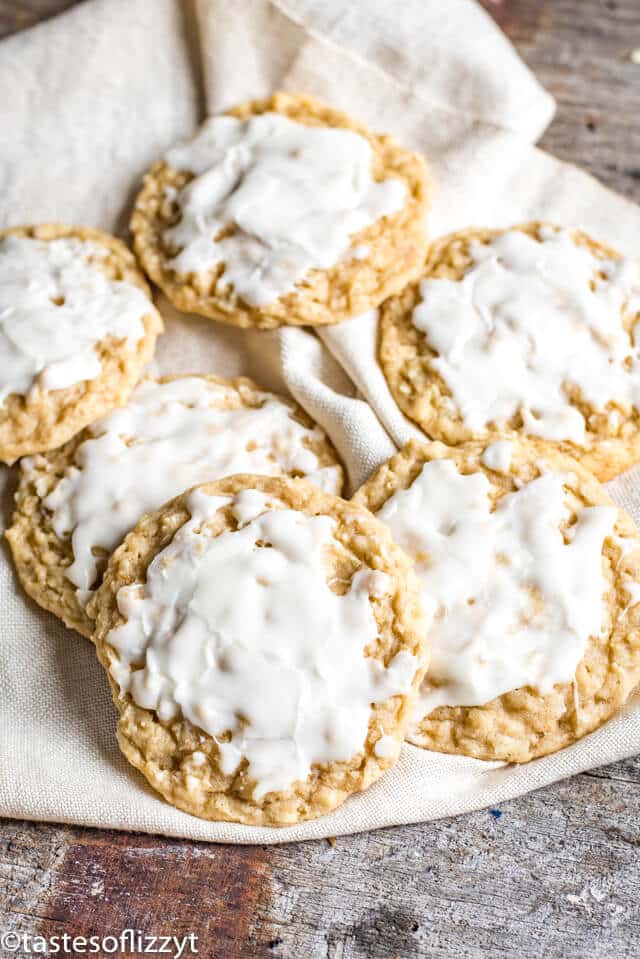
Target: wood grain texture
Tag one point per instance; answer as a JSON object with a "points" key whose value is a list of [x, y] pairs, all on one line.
{"points": [[580, 51], [553, 874]]}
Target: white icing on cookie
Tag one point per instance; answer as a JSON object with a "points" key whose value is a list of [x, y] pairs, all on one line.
{"points": [[251, 641], [497, 456], [513, 604], [294, 194], [55, 307], [528, 320], [387, 747], [168, 438]]}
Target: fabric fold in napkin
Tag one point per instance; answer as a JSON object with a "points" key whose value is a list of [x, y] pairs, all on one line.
{"points": [[90, 99]]}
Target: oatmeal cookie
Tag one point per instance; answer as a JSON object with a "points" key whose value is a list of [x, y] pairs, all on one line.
{"points": [[384, 249], [462, 514], [531, 330], [308, 619], [77, 327]]}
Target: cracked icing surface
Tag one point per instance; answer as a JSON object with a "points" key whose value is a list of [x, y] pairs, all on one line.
{"points": [[224, 747]]}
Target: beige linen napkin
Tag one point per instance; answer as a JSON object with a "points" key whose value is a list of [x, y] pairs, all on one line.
{"points": [[88, 101]]}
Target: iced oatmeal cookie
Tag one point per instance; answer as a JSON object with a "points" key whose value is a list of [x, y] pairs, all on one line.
{"points": [[264, 642], [282, 211], [77, 326], [533, 330], [531, 577]]}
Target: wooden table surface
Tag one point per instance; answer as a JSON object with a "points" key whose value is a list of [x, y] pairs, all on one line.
{"points": [[553, 874]]}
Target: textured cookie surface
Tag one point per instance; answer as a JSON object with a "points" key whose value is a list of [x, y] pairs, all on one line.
{"points": [[456, 349], [74, 504], [521, 723], [384, 256], [42, 419], [303, 695]]}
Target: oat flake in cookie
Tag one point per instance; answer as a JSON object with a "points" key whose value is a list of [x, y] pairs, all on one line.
{"points": [[531, 577], [263, 643], [74, 505], [282, 211], [77, 326], [533, 329]]}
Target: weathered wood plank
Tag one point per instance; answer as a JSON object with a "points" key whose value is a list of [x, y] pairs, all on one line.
{"points": [[553, 874], [556, 874], [580, 51]]}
